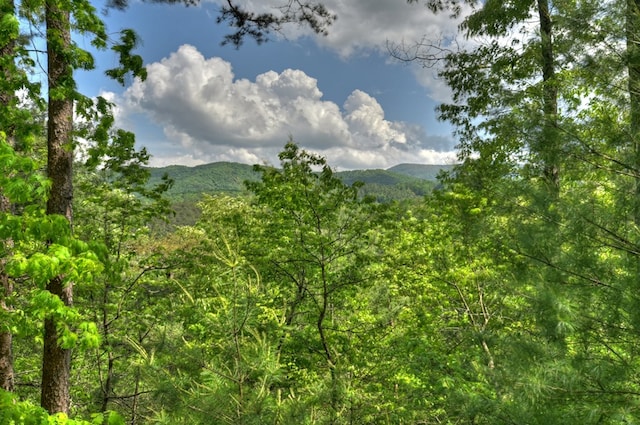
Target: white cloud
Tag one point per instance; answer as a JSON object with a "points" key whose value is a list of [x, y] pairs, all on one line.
{"points": [[363, 26], [204, 110], [370, 24], [366, 122]]}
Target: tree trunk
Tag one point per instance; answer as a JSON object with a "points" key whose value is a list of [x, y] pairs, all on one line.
{"points": [[57, 360], [7, 98], [633, 58], [549, 147], [136, 394], [6, 338]]}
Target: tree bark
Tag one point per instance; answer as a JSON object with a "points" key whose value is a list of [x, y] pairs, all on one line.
{"points": [[7, 98], [57, 360]]}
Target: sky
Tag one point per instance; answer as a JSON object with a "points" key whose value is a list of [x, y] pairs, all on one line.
{"points": [[342, 95]]}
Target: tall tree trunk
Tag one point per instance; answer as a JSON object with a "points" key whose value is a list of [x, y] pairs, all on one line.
{"points": [[549, 147], [633, 58], [57, 360], [7, 98]]}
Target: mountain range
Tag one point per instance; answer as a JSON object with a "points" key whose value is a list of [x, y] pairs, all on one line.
{"points": [[396, 183]]}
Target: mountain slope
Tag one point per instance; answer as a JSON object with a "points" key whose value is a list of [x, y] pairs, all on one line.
{"points": [[218, 177], [403, 181], [422, 171]]}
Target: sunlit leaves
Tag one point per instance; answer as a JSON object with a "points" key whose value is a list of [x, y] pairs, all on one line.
{"points": [[56, 260], [280, 296], [19, 177], [20, 412], [41, 250]]}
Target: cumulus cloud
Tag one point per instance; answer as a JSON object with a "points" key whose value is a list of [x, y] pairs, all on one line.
{"points": [[366, 24], [363, 26], [203, 109]]}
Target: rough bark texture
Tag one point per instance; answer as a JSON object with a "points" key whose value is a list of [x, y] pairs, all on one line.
{"points": [[57, 360], [6, 99]]}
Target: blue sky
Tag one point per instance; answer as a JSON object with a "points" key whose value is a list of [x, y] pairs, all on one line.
{"points": [[341, 95]]}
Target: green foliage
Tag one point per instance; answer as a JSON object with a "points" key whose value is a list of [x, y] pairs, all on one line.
{"points": [[20, 180], [270, 308], [192, 182], [41, 248], [114, 207], [560, 245], [506, 295], [40, 251], [386, 186], [15, 412], [224, 177], [129, 63]]}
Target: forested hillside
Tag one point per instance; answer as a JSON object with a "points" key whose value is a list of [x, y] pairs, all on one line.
{"points": [[190, 183], [509, 294], [422, 171]]}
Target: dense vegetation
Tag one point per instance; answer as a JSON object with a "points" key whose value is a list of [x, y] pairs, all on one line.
{"points": [[413, 181], [190, 183], [508, 295]]}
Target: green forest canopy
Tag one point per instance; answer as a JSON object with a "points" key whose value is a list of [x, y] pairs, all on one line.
{"points": [[507, 295]]}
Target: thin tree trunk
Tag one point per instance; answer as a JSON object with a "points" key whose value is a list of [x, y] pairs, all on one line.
{"points": [[6, 338], [633, 55], [7, 98], [136, 394], [57, 360], [549, 147], [335, 398], [107, 388]]}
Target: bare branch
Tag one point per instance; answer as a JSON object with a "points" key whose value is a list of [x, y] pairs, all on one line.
{"points": [[428, 53], [259, 25]]}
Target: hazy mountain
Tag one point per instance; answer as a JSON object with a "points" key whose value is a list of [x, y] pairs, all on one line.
{"points": [[400, 182], [218, 177], [422, 171]]}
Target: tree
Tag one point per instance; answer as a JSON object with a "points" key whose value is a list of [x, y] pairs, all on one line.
{"points": [[56, 359], [20, 126], [228, 321], [495, 82], [6, 97], [576, 251], [259, 25], [632, 27], [63, 58], [114, 206], [286, 317], [326, 246]]}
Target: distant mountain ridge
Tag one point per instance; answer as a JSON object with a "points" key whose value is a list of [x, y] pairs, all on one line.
{"points": [[422, 171], [399, 182], [217, 177]]}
